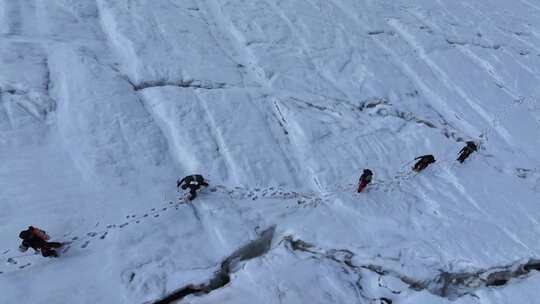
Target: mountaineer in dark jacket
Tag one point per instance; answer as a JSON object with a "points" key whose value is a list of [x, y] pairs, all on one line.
{"points": [[467, 151], [423, 162], [365, 179], [193, 182], [39, 241]]}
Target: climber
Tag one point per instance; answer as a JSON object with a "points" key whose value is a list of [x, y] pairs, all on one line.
{"points": [[38, 240], [193, 182], [365, 179], [423, 162], [467, 151]]}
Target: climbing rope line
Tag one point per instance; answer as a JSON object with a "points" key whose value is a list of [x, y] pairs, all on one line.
{"points": [[253, 194], [401, 176]]}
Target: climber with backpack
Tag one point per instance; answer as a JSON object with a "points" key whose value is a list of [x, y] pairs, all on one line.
{"points": [[193, 182], [423, 162], [467, 151], [365, 179], [39, 241]]}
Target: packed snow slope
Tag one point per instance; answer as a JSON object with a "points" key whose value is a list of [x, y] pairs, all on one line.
{"points": [[280, 104]]}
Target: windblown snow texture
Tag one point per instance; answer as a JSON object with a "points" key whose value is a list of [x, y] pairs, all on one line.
{"points": [[280, 104]]}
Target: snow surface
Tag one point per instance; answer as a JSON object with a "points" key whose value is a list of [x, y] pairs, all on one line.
{"points": [[280, 104]]}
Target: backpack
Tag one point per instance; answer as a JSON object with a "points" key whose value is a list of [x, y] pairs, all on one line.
{"points": [[40, 233]]}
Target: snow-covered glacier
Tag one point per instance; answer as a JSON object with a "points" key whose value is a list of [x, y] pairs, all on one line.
{"points": [[280, 104]]}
